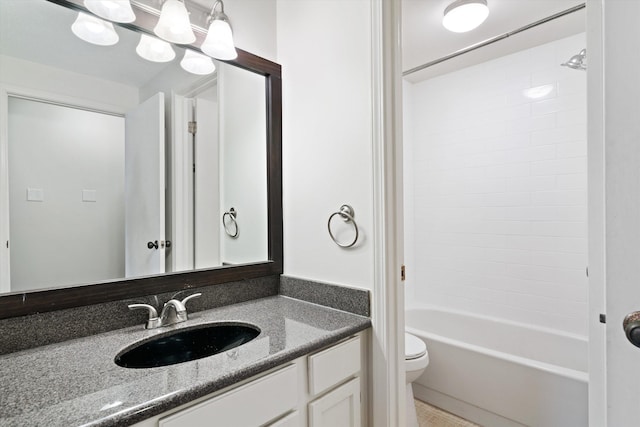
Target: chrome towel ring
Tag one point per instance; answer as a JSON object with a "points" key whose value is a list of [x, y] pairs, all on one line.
{"points": [[232, 220], [347, 213]]}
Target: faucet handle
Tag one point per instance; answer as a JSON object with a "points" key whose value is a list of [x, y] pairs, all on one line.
{"points": [[153, 321], [184, 301]]}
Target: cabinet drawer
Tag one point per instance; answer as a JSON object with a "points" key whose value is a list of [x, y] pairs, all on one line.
{"points": [[291, 420], [250, 405], [334, 365]]}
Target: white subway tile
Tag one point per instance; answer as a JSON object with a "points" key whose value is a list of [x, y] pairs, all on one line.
{"points": [[564, 198], [560, 134], [572, 149], [576, 181], [531, 183], [574, 165]]}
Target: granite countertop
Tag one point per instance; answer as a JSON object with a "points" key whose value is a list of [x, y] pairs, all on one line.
{"points": [[76, 382]]}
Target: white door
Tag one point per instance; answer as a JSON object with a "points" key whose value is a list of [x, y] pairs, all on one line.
{"points": [[144, 188], [616, 378]]}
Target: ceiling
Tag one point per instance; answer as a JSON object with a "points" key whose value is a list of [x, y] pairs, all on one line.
{"points": [[424, 39]]}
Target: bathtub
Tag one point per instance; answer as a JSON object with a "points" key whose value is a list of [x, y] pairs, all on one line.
{"points": [[498, 373]]}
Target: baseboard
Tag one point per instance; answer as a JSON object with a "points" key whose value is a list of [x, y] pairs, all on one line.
{"points": [[462, 409]]}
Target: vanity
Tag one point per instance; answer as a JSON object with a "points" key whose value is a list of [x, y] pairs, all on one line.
{"points": [[307, 366]]}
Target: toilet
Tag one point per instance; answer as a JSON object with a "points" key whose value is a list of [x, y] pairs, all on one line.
{"points": [[416, 360]]}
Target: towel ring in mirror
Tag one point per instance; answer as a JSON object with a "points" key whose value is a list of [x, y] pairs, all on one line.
{"points": [[231, 214]]}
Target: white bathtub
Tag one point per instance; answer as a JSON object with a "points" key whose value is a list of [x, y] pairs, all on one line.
{"points": [[498, 373]]}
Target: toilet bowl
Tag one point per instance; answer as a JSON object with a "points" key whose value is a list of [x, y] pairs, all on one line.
{"points": [[416, 360]]}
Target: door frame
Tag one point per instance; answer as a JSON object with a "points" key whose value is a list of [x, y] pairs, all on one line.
{"points": [[386, 364], [7, 91]]}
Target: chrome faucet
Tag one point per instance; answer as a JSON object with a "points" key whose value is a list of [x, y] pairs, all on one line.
{"points": [[173, 311]]}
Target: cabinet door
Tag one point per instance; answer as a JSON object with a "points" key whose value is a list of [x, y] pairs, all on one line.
{"points": [[339, 408]]}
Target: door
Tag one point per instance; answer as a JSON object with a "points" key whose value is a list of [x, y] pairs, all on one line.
{"points": [[614, 144], [144, 188]]}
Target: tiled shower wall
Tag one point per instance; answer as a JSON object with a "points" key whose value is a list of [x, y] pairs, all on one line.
{"points": [[499, 189]]}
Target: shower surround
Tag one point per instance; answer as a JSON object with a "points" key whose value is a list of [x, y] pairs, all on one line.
{"points": [[496, 189]]}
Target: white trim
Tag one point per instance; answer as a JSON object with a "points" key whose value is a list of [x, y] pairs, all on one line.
{"points": [[387, 360], [596, 223]]}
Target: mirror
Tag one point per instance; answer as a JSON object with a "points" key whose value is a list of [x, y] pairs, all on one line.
{"points": [[118, 172]]}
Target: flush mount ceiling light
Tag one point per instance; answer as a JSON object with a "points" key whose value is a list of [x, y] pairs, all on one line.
{"points": [[197, 63], [155, 50], [173, 25], [94, 30], [219, 40], [113, 10], [465, 15]]}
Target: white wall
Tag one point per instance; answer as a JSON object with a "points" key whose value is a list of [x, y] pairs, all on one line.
{"points": [[109, 95], [500, 189], [63, 239], [324, 47]]}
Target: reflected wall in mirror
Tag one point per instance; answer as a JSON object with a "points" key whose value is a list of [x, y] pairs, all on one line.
{"points": [[115, 167]]}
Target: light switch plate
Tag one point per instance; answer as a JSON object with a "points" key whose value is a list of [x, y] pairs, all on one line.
{"points": [[89, 195], [35, 195]]}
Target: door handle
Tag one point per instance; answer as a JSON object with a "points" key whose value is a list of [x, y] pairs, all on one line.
{"points": [[152, 245], [631, 325]]}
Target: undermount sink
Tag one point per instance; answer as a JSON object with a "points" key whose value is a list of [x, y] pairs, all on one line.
{"points": [[187, 344]]}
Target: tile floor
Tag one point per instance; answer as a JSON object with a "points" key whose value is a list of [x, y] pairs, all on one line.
{"points": [[430, 416]]}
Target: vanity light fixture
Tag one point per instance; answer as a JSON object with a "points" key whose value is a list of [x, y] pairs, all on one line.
{"points": [[113, 10], [465, 15], [154, 49], [174, 25], [219, 40], [94, 30], [197, 63]]}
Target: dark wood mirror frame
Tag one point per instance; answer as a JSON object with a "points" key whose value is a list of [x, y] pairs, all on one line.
{"points": [[24, 303]]}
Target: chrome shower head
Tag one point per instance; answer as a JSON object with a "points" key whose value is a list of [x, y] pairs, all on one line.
{"points": [[577, 61]]}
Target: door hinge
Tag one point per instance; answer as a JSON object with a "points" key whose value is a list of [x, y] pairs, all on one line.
{"points": [[193, 127], [7, 244], [603, 318], [403, 273]]}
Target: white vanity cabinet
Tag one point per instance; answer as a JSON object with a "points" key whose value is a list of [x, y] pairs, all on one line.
{"points": [[323, 389]]}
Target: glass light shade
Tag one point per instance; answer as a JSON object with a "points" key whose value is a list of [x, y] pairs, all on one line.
{"points": [[94, 30], [174, 25], [219, 40], [155, 50], [113, 10], [197, 63], [465, 15]]}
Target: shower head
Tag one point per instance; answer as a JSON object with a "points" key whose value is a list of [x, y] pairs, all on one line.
{"points": [[577, 61]]}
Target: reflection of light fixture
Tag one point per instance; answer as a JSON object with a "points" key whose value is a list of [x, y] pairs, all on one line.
{"points": [[538, 91], [219, 41], [465, 15], [173, 25], [153, 49], [94, 30], [197, 63], [113, 10]]}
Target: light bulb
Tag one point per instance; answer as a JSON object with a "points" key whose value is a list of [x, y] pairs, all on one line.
{"points": [[113, 10], [155, 50], [219, 40], [174, 25], [94, 30], [197, 63]]}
